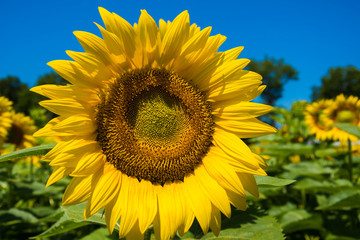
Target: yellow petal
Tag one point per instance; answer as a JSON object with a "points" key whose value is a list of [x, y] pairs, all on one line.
{"points": [[53, 91], [57, 174], [249, 183], [94, 45], [246, 128], [89, 164], [215, 222], [176, 34], [79, 189], [112, 212], [198, 201], [106, 189], [241, 110], [237, 200], [235, 147], [147, 205], [223, 174], [129, 195], [214, 192], [96, 69], [65, 106], [80, 124], [168, 211], [74, 73], [135, 233]]}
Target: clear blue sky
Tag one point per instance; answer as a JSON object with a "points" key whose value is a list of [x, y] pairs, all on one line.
{"points": [[312, 36]]}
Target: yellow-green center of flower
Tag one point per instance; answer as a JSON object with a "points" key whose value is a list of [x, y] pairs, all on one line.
{"points": [[158, 119], [345, 116], [154, 125]]}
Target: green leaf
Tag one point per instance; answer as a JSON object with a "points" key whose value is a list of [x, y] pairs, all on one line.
{"points": [[14, 216], [268, 182], [28, 152], [309, 184], [349, 128], [73, 217], [342, 200], [277, 211], [300, 219], [287, 149], [311, 169], [262, 228], [101, 233], [61, 226]]}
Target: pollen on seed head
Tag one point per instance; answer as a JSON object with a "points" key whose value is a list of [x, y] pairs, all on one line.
{"points": [[154, 125]]}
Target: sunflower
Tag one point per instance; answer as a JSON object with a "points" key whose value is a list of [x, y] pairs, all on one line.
{"points": [[21, 131], [5, 120], [344, 110], [151, 126], [316, 119]]}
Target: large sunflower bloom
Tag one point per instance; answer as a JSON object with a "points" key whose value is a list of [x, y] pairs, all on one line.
{"points": [[316, 119], [151, 126], [5, 118], [344, 110]]}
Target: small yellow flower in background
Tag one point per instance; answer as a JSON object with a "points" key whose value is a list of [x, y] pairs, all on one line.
{"points": [[5, 118], [315, 118], [343, 110], [21, 134], [151, 126], [295, 158]]}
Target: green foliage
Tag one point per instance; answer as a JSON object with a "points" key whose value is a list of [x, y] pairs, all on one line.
{"points": [[338, 80]]}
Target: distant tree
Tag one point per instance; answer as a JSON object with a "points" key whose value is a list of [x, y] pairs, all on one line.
{"points": [[275, 75], [17, 92], [23, 99], [338, 80], [51, 78]]}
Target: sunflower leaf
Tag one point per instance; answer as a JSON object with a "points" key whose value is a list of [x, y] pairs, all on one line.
{"points": [[267, 181], [349, 128], [28, 152], [346, 199], [61, 226], [265, 227]]}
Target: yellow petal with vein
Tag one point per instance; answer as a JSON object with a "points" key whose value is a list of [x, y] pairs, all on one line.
{"points": [[198, 201], [234, 147], [241, 110], [147, 205], [129, 195], [175, 36], [74, 73], [224, 174], [215, 222], [215, 193], [135, 233], [65, 106], [79, 189], [57, 174], [106, 189], [80, 124], [246, 128], [249, 183], [89, 164]]}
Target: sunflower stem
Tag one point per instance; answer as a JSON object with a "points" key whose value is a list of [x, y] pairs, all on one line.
{"points": [[350, 161]]}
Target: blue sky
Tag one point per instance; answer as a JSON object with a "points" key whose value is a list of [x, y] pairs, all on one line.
{"points": [[312, 36]]}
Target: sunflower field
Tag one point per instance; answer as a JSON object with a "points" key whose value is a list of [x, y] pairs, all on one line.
{"points": [[157, 136]]}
